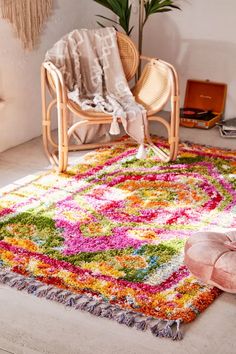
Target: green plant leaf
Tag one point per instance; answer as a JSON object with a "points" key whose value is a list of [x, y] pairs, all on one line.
{"points": [[104, 3], [158, 6], [130, 31], [100, 24], [121, 9], [116, 7], [108, 19], [103, 26]]}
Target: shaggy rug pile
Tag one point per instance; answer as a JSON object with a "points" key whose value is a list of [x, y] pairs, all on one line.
{"points": [[108, 236]]}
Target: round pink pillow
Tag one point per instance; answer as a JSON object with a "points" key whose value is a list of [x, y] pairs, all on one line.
{"points": [[211, 257]]}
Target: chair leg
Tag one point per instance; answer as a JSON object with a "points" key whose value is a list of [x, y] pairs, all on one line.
{"points": [[46, 121], [176, 123], [175, 109], [172, 138], [65, 139], [174, 143], [62, 139]]}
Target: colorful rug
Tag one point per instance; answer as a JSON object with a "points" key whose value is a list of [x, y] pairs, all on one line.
{"points": [[108, 236]]}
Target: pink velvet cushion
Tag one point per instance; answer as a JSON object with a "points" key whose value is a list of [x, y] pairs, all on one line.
{"points": [[211, 256]]}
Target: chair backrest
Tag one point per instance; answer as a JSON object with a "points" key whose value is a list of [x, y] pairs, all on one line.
{"points": [[129, 55], [154, 86]]}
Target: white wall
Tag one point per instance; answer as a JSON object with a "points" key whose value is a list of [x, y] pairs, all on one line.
{"points": [[20, 114], [200, 41]]}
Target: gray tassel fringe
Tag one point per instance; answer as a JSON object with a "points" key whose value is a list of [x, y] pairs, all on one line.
{"points": [[159, 328]]}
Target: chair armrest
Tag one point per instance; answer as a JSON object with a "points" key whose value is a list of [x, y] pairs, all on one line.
{"points": [[57, 81], [54, 72]]}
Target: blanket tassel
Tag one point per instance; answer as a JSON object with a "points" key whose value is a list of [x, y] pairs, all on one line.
{"points": [[141, 152], [115, 129]]}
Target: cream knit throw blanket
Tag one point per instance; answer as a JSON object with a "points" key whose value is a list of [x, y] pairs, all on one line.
{"points": [[90, 63]]}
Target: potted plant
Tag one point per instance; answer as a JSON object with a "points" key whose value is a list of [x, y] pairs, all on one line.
{"points": [[123, 9]]}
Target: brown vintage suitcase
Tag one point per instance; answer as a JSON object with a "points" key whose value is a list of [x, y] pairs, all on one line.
{"points": [[204, 104]]}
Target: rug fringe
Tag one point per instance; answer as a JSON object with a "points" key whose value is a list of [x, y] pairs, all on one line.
{"points": [[158, 327]]}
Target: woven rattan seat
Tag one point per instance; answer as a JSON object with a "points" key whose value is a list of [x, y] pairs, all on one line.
{"points": [[157, 85]]}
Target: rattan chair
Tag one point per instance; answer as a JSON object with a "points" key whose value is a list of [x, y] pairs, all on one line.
{"points": [[157, 85]]}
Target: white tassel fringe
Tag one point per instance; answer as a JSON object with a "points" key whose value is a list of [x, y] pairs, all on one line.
{"points": [[115, 129], [141, 154]]}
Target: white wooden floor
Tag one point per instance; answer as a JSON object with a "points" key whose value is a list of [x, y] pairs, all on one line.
{"points": [[29, 325]]}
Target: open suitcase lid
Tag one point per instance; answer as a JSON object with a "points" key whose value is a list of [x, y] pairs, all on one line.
{"points": [[205, 95]]}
